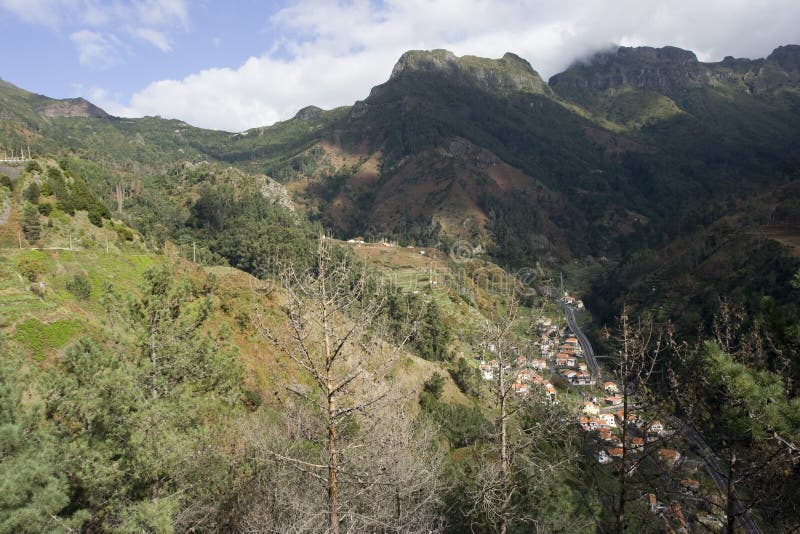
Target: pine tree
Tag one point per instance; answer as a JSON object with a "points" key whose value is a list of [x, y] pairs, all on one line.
{"points": [[31, 226]]}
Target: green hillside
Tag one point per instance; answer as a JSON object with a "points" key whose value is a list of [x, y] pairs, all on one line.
{"points": [[204, 331]]}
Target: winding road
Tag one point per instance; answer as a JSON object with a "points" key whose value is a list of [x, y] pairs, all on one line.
{"points": [[714, 469], [691, 435], [588, 351]]}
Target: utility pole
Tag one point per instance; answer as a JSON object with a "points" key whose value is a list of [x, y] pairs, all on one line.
{"points": [[562, 283], [70, 241], [194, 253]]}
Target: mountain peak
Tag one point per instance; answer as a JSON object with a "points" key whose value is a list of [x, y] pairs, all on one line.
{"points": [[787, 57], [666, 54], [510, 73], [308, 113], [663, 70], [72, 107], [425, 61]]}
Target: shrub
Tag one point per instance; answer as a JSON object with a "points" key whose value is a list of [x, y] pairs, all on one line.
{"points": [[7, 182], [31, 268], [434, 385], [79, 286], [31, 193], [33, 166], [123, 232], [45, 209]]}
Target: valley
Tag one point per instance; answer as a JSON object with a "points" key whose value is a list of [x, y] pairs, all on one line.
{"points": [[474, 300]]}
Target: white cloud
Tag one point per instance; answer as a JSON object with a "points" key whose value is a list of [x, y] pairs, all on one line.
{"points": [[161, 12], [96, 49], [331, 53], [94, 25], [154, 37], [44, 12], [105, 100]]}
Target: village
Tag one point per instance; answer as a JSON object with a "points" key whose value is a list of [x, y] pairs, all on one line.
{"points": [[555, 365]]}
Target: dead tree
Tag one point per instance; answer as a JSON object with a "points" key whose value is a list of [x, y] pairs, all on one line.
{"points": [[332, 337], [639, 347], [525, 419]]}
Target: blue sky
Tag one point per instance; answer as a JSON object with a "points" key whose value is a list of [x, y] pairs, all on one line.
{"points": [[245, 63]]}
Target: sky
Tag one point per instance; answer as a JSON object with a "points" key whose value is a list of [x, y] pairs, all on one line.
{"points": [[239, 64]]}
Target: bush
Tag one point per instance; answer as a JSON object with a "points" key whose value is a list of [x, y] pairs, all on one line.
{"points": [[46, 190], [467, 378], [7, 182], [31, 268], [434, 386], [31, 193], [96, 215], [79, 286], [33, 166], [45, 209]]}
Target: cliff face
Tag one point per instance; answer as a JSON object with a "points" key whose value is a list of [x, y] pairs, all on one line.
{"points": [[670, 70], [72, 107], [657, 69], [508, 74], [787, 57]]}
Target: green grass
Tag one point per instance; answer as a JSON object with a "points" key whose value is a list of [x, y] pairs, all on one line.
{"points": [[41, 339]]}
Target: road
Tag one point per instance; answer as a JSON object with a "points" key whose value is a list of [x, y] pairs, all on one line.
{"points": [[714, 469], [588, 351], [713, 465]]}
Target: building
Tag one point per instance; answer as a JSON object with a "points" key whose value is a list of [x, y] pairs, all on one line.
{"points": [[487, 370], [550, 391], [520, 388], [565, 360], [590, 408], [610, 387], [608, 419], [669, 456], [655, 428], [690, 486]]}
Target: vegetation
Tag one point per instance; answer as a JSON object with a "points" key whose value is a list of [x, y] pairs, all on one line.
{"points": [[202, 360]]}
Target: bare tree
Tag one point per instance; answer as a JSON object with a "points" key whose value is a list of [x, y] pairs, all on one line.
{"points": [[527, 424], [333, 338], [638, 348]]}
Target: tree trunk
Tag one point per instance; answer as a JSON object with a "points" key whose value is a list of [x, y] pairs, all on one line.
{"points": [[333, 458], [504, 467], [153, 361], [625, 379], [623, 471], [731, 499], [398, 508], [333, 470]]}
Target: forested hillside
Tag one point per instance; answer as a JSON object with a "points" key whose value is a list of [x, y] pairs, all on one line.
{"points": [[371, 318]]}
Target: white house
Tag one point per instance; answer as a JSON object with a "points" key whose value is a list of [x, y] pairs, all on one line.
{"points": [[608, 419]]}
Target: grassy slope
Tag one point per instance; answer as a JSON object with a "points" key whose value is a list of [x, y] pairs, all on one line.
{"points": [[40, 327]]}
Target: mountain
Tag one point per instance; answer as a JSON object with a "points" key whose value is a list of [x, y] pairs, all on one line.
{"points": [[458, 148], [621, 152], [161, 287]]}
